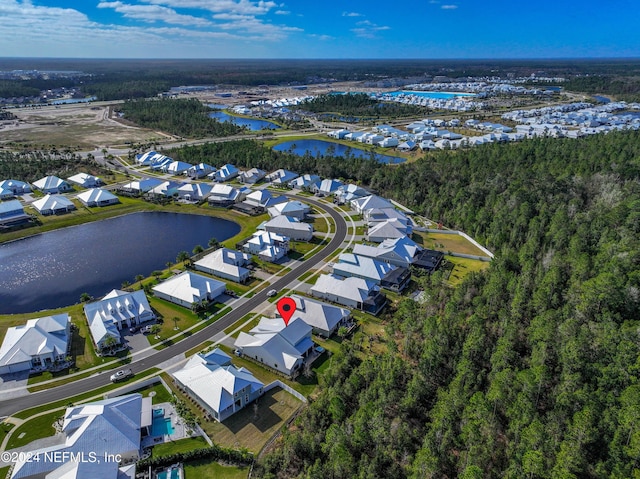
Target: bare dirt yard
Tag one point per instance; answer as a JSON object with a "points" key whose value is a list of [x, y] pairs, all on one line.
{"points": [[84, 126]]}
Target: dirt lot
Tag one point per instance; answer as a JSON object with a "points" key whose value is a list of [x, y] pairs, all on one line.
{"points": [[86, 126]]}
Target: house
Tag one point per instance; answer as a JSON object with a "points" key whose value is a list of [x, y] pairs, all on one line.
{"points": [[194, 191], [225, 173], [176, 167], [386, 275], [40, 343], [216, 385], [53, 205], [161, 163], [291, 227], [85, 180], [199, 171], [292, 209], [428, 259], [264, 199], [52, 185], [369, 202], [351, 292], [407, 146], [15, 187], [151, 158], [252, 176], [117, 310], [97, 197], [268, 246], [388, 142], [427, 144], [227, 264], [326, 187], [225, 195], [276, 345], [281, 177], [349, 192], [324, 318], [12, 213], [305, 182], [166, 189], [187, 289], [142, 186], [338, 134], [90, 433], [378, 215], [388, 229], [398, 252]]}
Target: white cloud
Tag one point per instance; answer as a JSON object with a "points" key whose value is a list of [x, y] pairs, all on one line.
{"points": [[449, 7], [282, 12], [322, 38], [154, 13], [243, 7], [352, 14], [368, 29]]}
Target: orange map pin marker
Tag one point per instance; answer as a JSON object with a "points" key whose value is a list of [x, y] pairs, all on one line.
{"points": [[286, 307]]}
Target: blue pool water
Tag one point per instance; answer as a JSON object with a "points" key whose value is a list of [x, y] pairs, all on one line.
{"points": [[172, 474], [161, 425], [314, 147], [440, 95], [254, 124]]}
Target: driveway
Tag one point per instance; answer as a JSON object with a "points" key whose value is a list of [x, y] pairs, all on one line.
{"points": [[13, 385], [137, 342]]}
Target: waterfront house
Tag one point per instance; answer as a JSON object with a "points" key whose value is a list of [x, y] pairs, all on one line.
{"points": [[53, 205], [225, 195], [227, 264], [194, 191], [187, 289], [12, 213], [141, 186], [97, 197]]}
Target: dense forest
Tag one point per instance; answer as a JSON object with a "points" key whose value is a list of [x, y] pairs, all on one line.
{"points": [[359, 105], [30, 166], [529, 370], [187, 118], [622, 87]]}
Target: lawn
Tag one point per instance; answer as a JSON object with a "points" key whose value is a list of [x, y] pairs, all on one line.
{"points": [[36, 428], [253, 426], [320, 224], [203, 468], [167, 311], [447, 242], [161, 394], [464, 266], [182, 445]]}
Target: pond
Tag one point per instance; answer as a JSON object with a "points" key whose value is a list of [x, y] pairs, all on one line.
{"points": [[300, 147], [53, 269], [254, 124]]}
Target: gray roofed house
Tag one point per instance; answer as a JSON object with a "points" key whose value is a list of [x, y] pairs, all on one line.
{"points": [[305, 182], [276, 345], [382, 230], [264, 199], [293, 209], [398, 251], [225, 173], [85, 180], [268, 246], [117, 310], [53, 205], [39, 344], [12, 212], [324, 318], [291, 227], [194, 191], [52, 185], [166, 189], [368, 202], [252, 176], [110, 427], [350, 264], [189, 288], [352, 292], [200, 170], [216, 385], [327, 187], [281, 177], [97, 197], [226, 263]]}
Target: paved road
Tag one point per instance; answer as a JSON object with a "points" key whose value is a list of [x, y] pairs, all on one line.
{"points": [[9, 407]]}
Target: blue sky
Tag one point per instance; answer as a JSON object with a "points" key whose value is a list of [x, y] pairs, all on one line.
{"points": [[319, 28]]}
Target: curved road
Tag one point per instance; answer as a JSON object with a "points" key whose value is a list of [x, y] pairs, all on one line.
{"points": [[11, 406]]}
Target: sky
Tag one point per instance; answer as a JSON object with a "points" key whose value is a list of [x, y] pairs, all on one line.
{"points": [[319, 28]]}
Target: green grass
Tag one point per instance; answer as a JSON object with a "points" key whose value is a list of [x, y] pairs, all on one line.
{"points": [[462, 267], [182, 445], [5, 427], [448, 242], [36, 428], [207, 469], [5, 470], [161, 393]]}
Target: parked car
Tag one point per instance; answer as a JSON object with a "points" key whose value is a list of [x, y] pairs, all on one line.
{"points": [[146, 329], [271, 293], [121, 375]]}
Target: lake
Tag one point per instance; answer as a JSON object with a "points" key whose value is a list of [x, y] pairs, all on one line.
{"points": [[53, 269], [254, 124], [316, 147]]}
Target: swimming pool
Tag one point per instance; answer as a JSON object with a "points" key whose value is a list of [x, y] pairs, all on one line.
{"points": [[172, 473], [160, 425]]}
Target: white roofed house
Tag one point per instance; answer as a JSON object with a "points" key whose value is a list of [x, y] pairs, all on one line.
{"points": [[15, 187], [52, 185], [139, 187], [293, 209], [53, 205], [264, 199], [407, 146], [227, 264], [327, 187], [39, 344], [108, 428], [176, 167], [252, 176], [267, 246], [324, 318], [12, 213], [97, 197], [398, 251], [291, 227], [85, 180], [187, 289], [216, 385], [351, 292], [349, 192], [276, 345], [368, 202], [117, 310], [305, 182], [225, 195], [384, 274], [388, 142], [151, 158], [194, 191], [165, 189], [199, 171], [281, 177], [388, 229], [225, 173]]}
